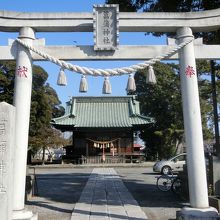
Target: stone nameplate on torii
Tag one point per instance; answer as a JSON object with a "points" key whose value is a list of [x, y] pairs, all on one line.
{"points": [[105, 27]]}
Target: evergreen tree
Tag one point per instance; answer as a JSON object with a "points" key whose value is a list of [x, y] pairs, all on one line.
{"points": [[163, 102], [45, 104]]}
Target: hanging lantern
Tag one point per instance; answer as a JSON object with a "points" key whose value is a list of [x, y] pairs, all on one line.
{"points": [[83, 84], [150, 77], [106, 89], [61, 80], [131, 86]]}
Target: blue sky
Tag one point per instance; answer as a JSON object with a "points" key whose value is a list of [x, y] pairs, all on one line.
{"points": [[95, 83]]}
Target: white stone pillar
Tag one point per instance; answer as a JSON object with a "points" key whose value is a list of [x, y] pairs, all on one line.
{"points": [[196, 167], [22, 102]]}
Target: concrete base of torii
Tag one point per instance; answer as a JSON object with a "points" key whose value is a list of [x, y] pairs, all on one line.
{"points": [[188, 213], [24, 215]]}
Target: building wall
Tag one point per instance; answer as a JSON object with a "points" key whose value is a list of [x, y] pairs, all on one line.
{"points": [[123, 144], [80, 146], [126, 145]]}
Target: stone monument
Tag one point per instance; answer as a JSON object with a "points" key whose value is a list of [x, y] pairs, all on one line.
{"points": [[7, 125]]}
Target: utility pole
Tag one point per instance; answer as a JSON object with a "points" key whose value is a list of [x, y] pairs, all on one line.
{"points": [[215, 108]]}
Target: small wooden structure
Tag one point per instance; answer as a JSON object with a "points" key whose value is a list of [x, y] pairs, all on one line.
{"points": [[103, 128]]}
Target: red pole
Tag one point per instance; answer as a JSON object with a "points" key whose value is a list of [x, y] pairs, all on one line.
{"points": [[103, 153]]}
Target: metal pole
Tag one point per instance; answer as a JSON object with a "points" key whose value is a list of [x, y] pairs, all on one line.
{"points": [[22, 102], [192, 123], [215, 109]]}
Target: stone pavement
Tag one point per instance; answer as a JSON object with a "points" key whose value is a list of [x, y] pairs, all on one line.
{"points": [[106, 197], [75, 193]]}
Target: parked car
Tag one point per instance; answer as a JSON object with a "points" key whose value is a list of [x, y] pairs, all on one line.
{"points": [[174, 163]]}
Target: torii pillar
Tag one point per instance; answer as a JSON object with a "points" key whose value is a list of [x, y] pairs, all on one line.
{"points": [[22, 102], [198, 191]]}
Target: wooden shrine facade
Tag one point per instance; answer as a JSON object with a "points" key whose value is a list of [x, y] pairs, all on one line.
{"points": [[103, 128]]}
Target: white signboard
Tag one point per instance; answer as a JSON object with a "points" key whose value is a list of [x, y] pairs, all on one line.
{"points": [[105, 25]]}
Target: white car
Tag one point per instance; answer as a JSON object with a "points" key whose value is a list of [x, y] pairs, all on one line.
{"points": [[174, 163]]}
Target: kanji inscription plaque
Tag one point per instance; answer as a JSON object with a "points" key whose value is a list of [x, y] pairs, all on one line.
{"points": [[105, 27]]}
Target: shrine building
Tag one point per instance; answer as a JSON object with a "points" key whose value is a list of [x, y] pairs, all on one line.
{"points": [[103, 128]]}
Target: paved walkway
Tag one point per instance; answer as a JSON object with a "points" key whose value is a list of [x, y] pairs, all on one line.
{"points": [[105, 197]]}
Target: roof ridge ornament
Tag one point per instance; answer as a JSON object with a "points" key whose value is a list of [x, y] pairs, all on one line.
{"points": [[73, 108]]}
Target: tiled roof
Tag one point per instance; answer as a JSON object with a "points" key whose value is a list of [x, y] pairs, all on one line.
{"points": [[102, 112]]}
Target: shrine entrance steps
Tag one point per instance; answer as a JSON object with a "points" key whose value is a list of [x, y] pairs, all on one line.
{"points": [[105, 197]]}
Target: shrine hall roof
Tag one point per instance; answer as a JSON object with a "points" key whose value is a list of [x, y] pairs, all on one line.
{"points": [[101, 112]]}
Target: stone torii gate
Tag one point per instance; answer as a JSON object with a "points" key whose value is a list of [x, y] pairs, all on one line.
{"points": [[183, 24]]}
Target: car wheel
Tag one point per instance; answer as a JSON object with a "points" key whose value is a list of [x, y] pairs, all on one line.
{"points": [[166, 170]]}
